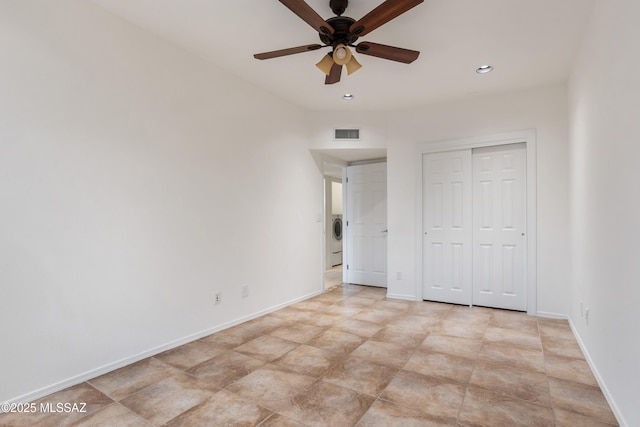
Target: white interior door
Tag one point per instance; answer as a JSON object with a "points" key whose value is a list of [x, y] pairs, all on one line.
{"points": [[447, 227], [366, 224], [499, 224]]}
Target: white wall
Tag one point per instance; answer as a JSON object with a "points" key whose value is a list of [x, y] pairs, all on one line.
{"points": [[605, 201], [336, 198], [544, 110], [136, 180]]}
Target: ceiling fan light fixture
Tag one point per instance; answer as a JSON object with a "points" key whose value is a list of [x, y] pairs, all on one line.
{"points": [[353, 65], [484, 69], [341, 54], [325, 64]]}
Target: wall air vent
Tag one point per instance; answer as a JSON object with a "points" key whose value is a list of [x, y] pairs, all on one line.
{"points": [[346, 134]]}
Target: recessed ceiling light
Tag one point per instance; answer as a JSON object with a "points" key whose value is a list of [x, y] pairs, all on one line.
{"points": [[348, 96], [484, 69]]}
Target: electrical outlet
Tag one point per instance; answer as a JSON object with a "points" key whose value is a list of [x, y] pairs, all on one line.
{"points": [[245, 291], [586, 315], [218, 299], [398, 275]]}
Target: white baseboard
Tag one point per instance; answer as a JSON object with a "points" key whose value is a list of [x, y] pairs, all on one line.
{"points": [[93, 373], [402, 297], [548, 315], [596, 374]]}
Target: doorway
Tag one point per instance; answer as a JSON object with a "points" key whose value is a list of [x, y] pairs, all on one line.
{"points": [[355, 229], [333, 228]]}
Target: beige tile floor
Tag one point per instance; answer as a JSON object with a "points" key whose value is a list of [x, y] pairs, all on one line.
{"points": [[350, 357]]}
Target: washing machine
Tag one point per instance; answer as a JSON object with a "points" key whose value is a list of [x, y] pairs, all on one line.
{"points": [[336, 240]]}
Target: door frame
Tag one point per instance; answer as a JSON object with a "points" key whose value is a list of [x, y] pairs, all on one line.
{"points": [[529, 138]]}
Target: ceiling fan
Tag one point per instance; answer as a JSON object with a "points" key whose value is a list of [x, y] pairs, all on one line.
{"points": [[341, 32]]}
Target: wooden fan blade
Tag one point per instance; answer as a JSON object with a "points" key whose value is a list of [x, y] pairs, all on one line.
{"points": [[381, 15], [308, 15], [383, 51], [285, 52], [334, 75]]}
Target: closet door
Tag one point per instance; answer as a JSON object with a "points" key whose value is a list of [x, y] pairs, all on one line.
{"points": [[447, 226], [499, 224]]}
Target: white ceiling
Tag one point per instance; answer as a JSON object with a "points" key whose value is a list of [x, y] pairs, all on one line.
{"points": [[530, 43]]}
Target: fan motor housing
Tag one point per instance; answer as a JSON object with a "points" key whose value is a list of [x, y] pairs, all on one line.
{"points": [[341, 34]]}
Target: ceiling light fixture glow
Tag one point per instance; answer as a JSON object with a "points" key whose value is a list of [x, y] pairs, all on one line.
{"points": [[348, 96], [484, 69]]}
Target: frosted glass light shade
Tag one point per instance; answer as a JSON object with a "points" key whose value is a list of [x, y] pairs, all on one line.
{"points": [[341, 54], [325, 64], [353, 65]]}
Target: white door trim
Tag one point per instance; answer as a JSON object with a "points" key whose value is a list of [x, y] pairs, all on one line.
{"points": [[529, 138]]}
